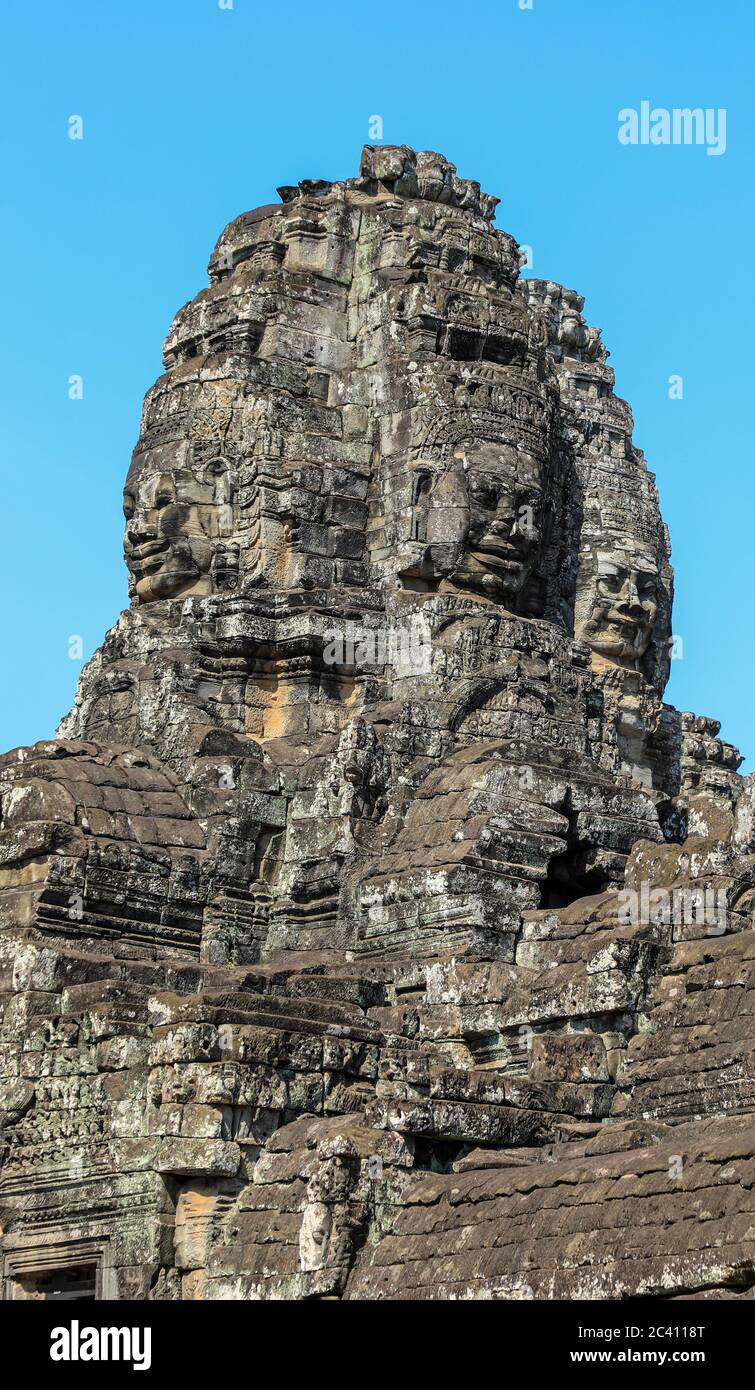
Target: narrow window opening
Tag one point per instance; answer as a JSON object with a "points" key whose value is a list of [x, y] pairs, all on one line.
{"points": [[77, 1284]]}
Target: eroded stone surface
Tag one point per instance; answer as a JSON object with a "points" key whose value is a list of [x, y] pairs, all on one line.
{"points": [[373, 928]]}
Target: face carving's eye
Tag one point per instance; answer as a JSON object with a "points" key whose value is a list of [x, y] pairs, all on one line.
{"points": [[129, 506], [484, 493], [163, 499], [488, 492]]}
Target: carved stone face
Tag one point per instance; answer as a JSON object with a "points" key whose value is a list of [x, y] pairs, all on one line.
{"points": [[618, 613], [504, 497], [175, 522]]}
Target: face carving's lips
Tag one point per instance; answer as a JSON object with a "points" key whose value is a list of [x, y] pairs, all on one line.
{"points": [[499, 554], [140, 552], [628, 636], [149, 555], [623, 623]]}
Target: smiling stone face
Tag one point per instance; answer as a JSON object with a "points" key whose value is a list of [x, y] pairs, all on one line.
{"points": [[619, 604], [499, 498], [176, 522]]}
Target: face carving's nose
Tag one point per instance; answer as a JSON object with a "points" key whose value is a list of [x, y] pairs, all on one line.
{"points": [[629, 600], [138, 532], [503, 521]]}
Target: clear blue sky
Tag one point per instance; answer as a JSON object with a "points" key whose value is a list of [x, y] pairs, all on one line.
{"points": [[194, 113]]}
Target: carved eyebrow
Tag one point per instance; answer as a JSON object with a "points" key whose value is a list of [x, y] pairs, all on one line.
{"points": [[489, 480]]}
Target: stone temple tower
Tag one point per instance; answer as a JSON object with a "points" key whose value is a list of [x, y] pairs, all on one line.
{"points": [[370, 890]]}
